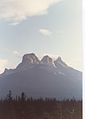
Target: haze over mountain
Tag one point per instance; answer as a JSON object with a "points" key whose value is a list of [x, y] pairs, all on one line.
{"points": [[42, 78]]}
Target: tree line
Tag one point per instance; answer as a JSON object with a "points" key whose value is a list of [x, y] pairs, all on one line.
{"points": [[22, 107]]}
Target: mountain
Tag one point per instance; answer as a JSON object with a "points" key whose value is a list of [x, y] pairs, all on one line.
{"points": [[46, 60], [42, 78]]}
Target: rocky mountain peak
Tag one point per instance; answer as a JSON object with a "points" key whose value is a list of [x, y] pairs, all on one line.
{"points": [[6, 70], [30, 59], [46, 60], [60, 62], [59, 59]]}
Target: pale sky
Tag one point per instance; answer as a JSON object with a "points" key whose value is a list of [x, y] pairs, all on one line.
{"points": [[51, 27]]}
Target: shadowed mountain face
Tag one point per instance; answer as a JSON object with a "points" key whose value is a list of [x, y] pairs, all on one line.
{"points": [[45, 78]]}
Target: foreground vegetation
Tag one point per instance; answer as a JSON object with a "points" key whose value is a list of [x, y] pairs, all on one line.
{"points": [[28, 108]]}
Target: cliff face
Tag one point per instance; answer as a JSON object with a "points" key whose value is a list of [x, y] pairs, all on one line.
{"points": [[30, 59]]}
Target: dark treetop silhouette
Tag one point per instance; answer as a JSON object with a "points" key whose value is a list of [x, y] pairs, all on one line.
{"points": [[22, 107]]}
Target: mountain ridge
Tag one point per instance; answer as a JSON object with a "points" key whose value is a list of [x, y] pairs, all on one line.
{"points": [[42, 78], [31, 58]]}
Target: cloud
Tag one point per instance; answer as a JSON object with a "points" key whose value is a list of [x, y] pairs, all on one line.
{"points": [[3, 64], [18, 10], [14, 23], [45, 32]]}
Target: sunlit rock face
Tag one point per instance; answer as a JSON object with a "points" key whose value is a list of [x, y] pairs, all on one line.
{"points": [[60, 62], [46, 60], [30, 59]]}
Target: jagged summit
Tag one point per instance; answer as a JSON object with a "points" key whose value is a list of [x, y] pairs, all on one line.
{"points": [[30, 59], [60, 62], [27, 61], [6, 70], [40, 79], [46, 60], [33, 59], [59, 59]]}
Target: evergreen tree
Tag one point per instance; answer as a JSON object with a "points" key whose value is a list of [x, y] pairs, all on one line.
{"points": [[9, 96], [23, 96]]}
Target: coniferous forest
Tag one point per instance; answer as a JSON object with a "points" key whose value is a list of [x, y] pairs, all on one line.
{"points": [[22, 107]]}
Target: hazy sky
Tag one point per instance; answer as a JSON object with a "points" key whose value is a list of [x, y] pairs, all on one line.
{"points": [[41, 26]]}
